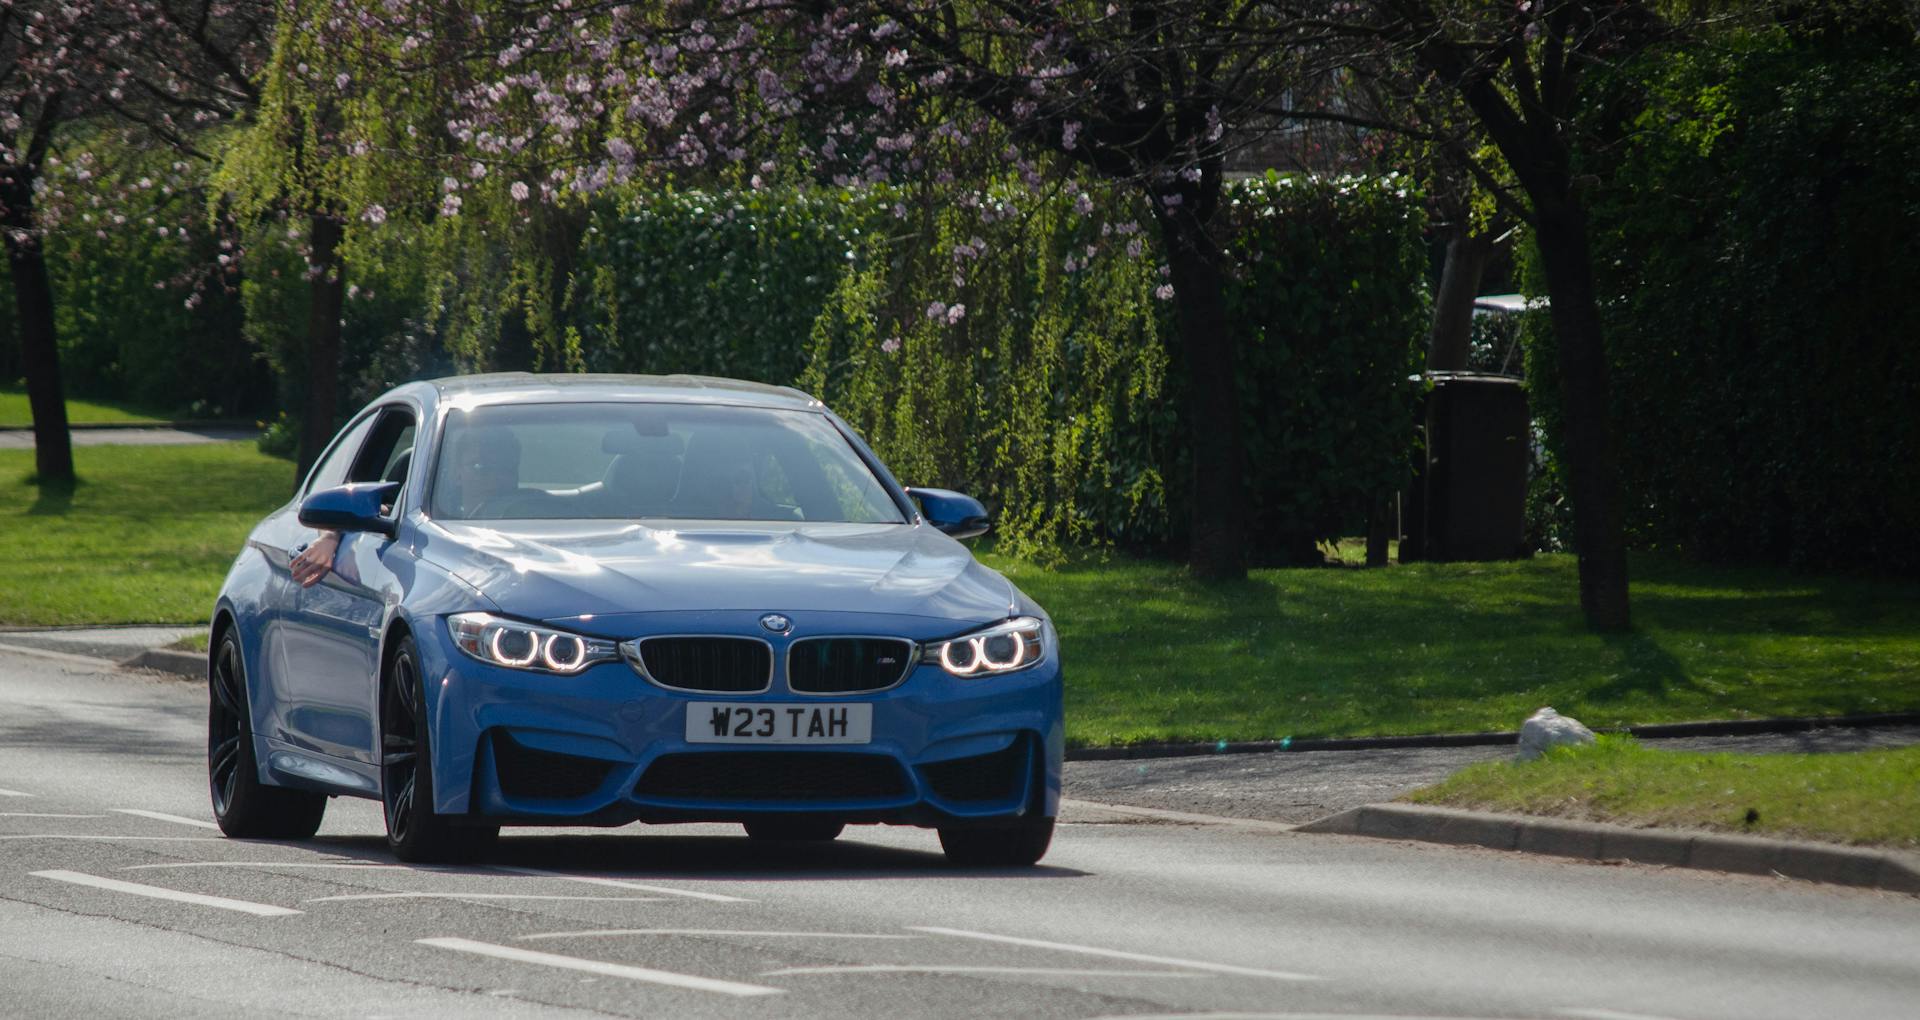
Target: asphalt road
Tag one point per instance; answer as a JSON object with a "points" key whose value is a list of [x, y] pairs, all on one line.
{"points": [[118, 899]]}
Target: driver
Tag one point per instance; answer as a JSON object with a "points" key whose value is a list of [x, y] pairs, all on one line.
{"points": [[483, 464]]}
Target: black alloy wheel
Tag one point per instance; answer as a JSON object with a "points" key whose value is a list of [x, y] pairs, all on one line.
{"points": [[1003, 845], [414, 832], [811, 830], [245, 807]]}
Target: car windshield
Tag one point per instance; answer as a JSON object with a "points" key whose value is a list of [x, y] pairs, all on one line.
{"points": [[632, 460]]}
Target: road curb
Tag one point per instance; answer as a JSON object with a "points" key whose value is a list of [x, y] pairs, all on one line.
{"points": [[1658, 731], [1593, 841], [169, 660]]}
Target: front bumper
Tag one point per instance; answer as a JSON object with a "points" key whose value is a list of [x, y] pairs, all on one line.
{"points": [[605, 747]]}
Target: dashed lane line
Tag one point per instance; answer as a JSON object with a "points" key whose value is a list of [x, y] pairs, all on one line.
{"points": [[14, 793], [1605, 1014], [268, 864], [711, 931], [620, 883], [889, 968], [1116, 954], [480, 896], [34, 814], [162, 816], [117, 839], [159, 893], [603, 968]]}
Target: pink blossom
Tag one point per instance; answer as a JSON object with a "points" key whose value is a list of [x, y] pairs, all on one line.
{"points": [[956, 313], [519, 191], [936, 309], [890, 344], [1164, 292]]}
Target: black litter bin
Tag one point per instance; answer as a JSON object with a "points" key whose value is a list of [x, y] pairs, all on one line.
{"points": [[1468, 501]]}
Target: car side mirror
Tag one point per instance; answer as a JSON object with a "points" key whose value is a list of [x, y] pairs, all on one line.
{"points": [[355, 507], [956, 514]]}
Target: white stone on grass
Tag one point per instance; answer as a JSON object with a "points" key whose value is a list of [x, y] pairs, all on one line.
{"points": [[1548, 728]]}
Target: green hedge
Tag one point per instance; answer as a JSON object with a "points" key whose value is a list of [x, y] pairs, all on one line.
{"points": [[1055, 396], [1758, 248]]}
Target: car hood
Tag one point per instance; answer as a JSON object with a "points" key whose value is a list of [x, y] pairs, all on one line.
{"points": [[563, 570]]}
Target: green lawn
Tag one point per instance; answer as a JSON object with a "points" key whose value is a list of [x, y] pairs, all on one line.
{"points": [[1154, 655], [145, 537], [1150, 653], [15, 411], [1862, 797]]}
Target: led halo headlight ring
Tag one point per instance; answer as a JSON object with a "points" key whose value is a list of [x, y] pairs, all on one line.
{"points": [[516, 645], [1001, 648]]}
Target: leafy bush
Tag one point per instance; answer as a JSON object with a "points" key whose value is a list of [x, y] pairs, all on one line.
{"points": [[1333, 318], [1028, 360], [1756, 250]]}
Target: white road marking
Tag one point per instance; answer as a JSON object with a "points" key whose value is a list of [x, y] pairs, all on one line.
{"points": [[1179, 816], [30, 814], [1171, 961], [658, 977], [478, 896], [158, 893], [78, 660], [886, 968], [712, 931], [1280, 1016], [264, 864], [162, 816], [620, 883], [117, 839], [14, 793], [1606, 1014]]}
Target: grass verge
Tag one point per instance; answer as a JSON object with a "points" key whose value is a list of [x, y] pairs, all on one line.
{"points": [[1864, 797], [144, 537], [1152, 654], [15, 411]]}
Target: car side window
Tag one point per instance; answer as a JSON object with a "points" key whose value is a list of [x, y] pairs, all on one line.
{"points": [[340, 458], [387, 455]]}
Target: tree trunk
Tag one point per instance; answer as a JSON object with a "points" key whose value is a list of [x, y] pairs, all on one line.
{"points": [[1218, 548], [1561, 232], [1467, 255], [326, 289], [39, 347]]}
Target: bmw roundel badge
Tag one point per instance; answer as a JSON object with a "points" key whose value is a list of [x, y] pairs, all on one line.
{"points": [[776, 623]]}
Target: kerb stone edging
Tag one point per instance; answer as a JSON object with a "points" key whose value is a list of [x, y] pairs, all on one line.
{"points": [[170, 660], [1710, 851]]}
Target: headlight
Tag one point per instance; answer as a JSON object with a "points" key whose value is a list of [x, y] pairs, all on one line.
{"points": [[1001, 648], [502, 642]]}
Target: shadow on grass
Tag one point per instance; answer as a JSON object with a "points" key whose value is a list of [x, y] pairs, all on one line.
{"points": [[54, 499], [1153, 653], [1649, 671]]}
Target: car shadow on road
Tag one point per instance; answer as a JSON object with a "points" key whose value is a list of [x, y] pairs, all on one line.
{"points": [[730, 858]]}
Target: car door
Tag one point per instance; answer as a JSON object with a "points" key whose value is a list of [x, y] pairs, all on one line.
{"points": [[333, 633]]}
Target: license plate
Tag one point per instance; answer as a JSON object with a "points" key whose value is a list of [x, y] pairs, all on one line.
{"points": [[730, 723]]}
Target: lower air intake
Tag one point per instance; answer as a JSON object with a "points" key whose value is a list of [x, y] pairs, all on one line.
{"points": [[983, 777], [772, 776], [530, 773]]}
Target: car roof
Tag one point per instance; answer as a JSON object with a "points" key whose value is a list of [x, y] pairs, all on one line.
{"points": [[527, 387]]}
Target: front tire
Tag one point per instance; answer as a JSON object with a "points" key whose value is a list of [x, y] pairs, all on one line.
{"points": [[1017, 845], [245, 807], [414, 832]]}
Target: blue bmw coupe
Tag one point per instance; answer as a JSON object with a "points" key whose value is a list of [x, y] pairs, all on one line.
{"points": [[593, 600]]}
